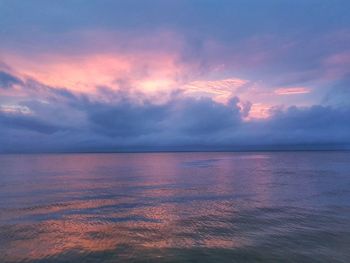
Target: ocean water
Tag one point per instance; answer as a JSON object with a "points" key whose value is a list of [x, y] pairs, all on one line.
{"points": [[175, 207]]}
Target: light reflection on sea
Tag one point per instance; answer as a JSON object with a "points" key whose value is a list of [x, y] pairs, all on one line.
{"points": [[175, 207]]}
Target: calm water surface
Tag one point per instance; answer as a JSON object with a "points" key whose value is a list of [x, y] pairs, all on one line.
{"points": [[175, 207]]}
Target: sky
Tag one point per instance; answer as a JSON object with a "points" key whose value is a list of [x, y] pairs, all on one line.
{"points": [[135, 75]]}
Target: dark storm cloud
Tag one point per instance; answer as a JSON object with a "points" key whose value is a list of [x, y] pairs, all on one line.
{"points": [[194, 117], [125, 118], [198, 117], [308, 125]]}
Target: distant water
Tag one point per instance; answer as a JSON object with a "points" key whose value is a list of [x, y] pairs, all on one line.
{"points": [[175, 207]]}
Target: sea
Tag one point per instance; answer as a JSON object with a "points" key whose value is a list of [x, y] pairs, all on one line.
{"points": [[175, 207]]}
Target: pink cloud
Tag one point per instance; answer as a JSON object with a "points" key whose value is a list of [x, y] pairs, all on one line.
{"points": [[292, 90], [259, 111], [220, 90]]}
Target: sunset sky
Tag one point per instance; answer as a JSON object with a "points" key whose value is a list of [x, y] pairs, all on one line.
{"points": [[99, 75]]}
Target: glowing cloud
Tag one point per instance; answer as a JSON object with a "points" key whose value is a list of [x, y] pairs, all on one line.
{"points": [[83, 73], [292, 91], [259, 111], [220, 90]]}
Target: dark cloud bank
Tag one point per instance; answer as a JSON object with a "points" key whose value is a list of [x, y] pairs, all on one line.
{"points": [[60, 121]]}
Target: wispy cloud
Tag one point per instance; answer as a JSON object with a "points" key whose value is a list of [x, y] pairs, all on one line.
{"points": [[292, 91], [220, 90]]}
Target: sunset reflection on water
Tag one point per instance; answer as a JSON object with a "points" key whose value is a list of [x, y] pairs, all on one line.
{"points": [[174, 207]]}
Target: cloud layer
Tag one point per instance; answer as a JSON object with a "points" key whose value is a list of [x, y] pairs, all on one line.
{"points": [[59, 120], [174, 75]]}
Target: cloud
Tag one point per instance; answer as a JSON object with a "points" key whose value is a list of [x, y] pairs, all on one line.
{"points": [[66, 122], [26, 123], [292, 37], [292, 91], [7, 80], [203, 116], [125, 119], [188, 116], [315, 123], [173, 74], [221, 90]]}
